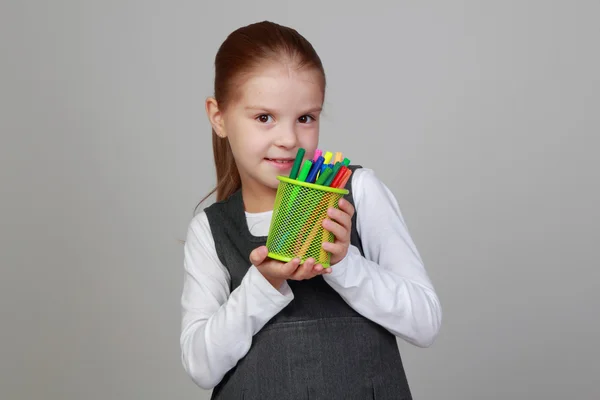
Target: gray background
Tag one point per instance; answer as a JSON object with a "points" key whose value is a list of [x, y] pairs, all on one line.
{"points": [[483, 118]]}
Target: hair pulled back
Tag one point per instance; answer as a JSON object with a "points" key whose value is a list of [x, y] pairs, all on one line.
{"points": [[244, 50]]}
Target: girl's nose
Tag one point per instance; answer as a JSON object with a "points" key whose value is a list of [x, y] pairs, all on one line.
{"points": [[287, 138]]}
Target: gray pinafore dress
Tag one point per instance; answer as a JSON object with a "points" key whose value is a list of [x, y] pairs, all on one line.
{"points": [[317, 347]]}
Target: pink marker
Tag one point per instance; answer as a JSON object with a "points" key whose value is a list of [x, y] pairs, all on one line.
{"points": [[318, 154]]}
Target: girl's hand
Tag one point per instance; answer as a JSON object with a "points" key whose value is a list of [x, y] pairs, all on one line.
{"points": [[340, 224], [277, 272]]}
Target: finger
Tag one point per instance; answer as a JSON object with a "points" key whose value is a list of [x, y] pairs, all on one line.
{"points": [[320, 270], [334, 248], [338, 230], [290, 268], [346, 206], [258, 255], [304, 271], [341, 217], [308, 269]]}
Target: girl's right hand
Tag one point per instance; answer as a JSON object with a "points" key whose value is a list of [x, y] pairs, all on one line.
{"points": [[277, 272]]}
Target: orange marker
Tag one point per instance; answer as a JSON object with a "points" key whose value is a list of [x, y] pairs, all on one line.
{"points": [[345, 179], [338, 157]]}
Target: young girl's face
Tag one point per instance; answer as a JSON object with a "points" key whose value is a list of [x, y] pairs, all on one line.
{"points": [[276, 112]]}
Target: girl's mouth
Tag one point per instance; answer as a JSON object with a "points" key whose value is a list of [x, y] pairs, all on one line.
{"points": [[281, 163]]}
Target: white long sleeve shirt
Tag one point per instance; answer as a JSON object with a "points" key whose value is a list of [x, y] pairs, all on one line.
{"points": [[389, 286]]}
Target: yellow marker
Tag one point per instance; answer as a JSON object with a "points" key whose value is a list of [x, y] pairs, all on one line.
{"points": [[327, 157], [338, 158]]}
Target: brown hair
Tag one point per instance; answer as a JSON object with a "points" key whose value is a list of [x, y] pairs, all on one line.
{"points": [[243, 50]]}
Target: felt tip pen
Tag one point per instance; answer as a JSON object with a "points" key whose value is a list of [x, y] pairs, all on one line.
{"points": [[338, 177], [344, 179], [327, 157], [318, 153], [324, 176], [305, 170], [297, 162], [312, 176], [338, 157], [336, 168]]}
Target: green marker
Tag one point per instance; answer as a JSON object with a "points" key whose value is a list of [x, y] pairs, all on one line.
{"points": [[297, 162], [296, 189], [336, 168], [305, 170], [324, 176], [346, 162]]}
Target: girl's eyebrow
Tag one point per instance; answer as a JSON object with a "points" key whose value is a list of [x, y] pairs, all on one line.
{"points": [[256, 108], [314, 109], [259, 108]]}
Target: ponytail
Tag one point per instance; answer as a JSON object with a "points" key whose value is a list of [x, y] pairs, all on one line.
{"points": [[228, 176]]}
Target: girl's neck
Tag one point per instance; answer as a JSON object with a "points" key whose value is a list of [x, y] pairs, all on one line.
{"points": [[257, 200]]}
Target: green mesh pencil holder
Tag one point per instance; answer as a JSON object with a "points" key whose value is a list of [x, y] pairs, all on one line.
{"points": [[296, 226]]}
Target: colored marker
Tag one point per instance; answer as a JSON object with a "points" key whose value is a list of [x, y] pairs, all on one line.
{"points": [[312, 176], [305, 170], [346, 162], [336, 168], [293, 200], [345, 179], [327, 158], [317, 154], [338, 178], [297, 162], [338, 157], [324, 176]]}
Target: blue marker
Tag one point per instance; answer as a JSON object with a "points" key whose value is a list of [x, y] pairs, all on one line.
{"points": [[312, 176], [325, 166]]}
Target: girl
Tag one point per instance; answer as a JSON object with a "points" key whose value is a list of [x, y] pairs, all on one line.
{"points": [[256, 328]]}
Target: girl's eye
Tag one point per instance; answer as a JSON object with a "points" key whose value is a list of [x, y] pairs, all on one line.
{"points": [[305, 119], [264, 118]]}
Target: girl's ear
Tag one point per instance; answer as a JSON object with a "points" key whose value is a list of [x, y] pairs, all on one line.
{"points": [[215, 116]]}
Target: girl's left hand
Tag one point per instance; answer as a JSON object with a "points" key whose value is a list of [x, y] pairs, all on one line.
{"points": [[340, 224]]}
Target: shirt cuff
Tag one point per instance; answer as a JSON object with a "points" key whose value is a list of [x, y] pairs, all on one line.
{"points": [[279, 297], [339, 270]]}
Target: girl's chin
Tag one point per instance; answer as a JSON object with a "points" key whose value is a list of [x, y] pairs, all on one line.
{"points": [[273, 183]]}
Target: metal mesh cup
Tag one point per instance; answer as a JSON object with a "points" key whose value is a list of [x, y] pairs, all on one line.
{"points": [[296, 225]]}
